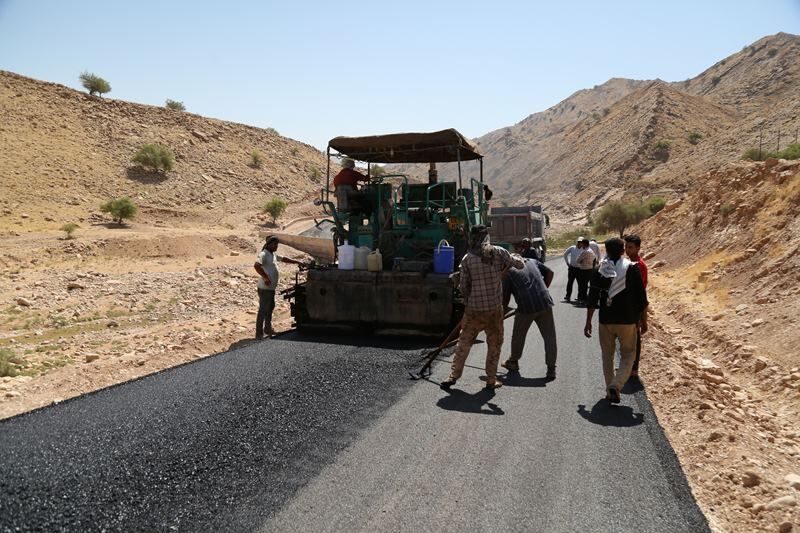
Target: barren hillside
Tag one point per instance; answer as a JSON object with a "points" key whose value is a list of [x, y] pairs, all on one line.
{"points": [[118, 302], [599, 143], [70, 151], [722, 364]]}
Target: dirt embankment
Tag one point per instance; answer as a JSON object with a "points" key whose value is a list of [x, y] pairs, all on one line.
{"points": [[721, 364]]}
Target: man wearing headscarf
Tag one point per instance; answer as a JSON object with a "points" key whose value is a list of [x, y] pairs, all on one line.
{"points": [[618, 292], [345, 183], [481, 285]]}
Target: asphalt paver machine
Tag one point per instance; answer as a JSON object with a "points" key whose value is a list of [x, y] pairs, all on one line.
{"points": [[407, 224]]}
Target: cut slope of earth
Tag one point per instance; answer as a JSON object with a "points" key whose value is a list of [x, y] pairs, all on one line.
{"points": [[721, 364]]}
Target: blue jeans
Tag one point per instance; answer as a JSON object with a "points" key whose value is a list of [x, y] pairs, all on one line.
{"points": [[266, 304]]}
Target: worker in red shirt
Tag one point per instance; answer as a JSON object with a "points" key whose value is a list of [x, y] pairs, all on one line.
{"points": [[633, 243], [345, 183]]}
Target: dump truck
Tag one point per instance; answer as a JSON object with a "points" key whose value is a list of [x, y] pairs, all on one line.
{"points": [[509, 225], [403, 223]]}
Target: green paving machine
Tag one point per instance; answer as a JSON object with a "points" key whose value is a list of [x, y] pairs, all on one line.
{"points": [[410, 230]]}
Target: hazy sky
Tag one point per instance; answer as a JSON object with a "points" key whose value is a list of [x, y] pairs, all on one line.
{"points": [[317, 69]]}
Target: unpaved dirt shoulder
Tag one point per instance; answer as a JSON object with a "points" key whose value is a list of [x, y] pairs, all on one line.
{"points": [[730, 414], [94, 313]]}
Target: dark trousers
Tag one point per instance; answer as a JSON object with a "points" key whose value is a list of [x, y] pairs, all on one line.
{"points": [[638, 350], [572, 275], [547, 327], [266, 304], [584, 277]]}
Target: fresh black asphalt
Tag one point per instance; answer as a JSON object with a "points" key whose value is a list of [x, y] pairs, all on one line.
{"points": [[326, 434]]}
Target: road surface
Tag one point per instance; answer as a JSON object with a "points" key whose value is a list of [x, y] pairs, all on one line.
{"points": [[298, 434]]}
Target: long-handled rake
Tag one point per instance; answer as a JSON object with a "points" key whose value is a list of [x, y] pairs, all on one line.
{"points": [[429, 357], [448, 341]]}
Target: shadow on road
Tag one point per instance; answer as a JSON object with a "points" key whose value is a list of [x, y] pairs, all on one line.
{"points": [[632, 386], [458, 400], [604, 414], [514, 379]]}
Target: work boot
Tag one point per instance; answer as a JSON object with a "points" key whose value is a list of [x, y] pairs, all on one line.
{"points": [[511, 366], [446, 384], [551, 373], [613, 395], [493, 383]]}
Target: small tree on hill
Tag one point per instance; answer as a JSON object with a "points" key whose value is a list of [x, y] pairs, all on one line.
{"points": [[274, 208], [94, 84], [256, 159], [120, 209], [617, 216], [69, 228], [155, 156], [175, 105]]}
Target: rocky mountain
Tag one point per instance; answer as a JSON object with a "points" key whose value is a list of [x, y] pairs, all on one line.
{"points": [[71, 151], [638, 138]]}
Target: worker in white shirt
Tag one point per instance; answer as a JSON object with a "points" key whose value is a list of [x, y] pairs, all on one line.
{"points": [[571, 255]]}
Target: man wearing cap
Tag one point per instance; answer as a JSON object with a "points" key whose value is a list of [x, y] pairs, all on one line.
{"points": [[480, 283], [266, 267], [345, 183], [527, 251], [571, 255]]}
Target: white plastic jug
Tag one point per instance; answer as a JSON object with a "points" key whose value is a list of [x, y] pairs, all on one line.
{"points": [[375, 261], [360, 261], [346, 256]]}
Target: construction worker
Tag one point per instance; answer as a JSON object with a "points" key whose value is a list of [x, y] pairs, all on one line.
{"points": [[481, 285], [633, 245], [266, 267], [529, 285], [618, 292], [571, 255], [345, 182]]}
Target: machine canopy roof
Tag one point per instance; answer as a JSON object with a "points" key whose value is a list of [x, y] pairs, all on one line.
{"points": [[436, 147]]}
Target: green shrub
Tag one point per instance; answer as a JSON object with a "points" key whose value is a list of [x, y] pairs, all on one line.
{"points": [[315, 174], [772, 52], [273, 131], [617, 216], [694, 137], [662, 146], [565, 240], [155, 156], [377, 170], [790, 152], [726, 209], [753, 154], [69, 228], [294, 150], [175, 105], [94, 84], [256, 159], [274, 208], [606, 111], [120, 209], [715, 80], [655, 204]]}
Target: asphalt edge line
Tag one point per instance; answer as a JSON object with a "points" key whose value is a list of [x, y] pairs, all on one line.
{"points": [[678, 483], [133, 380]]}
